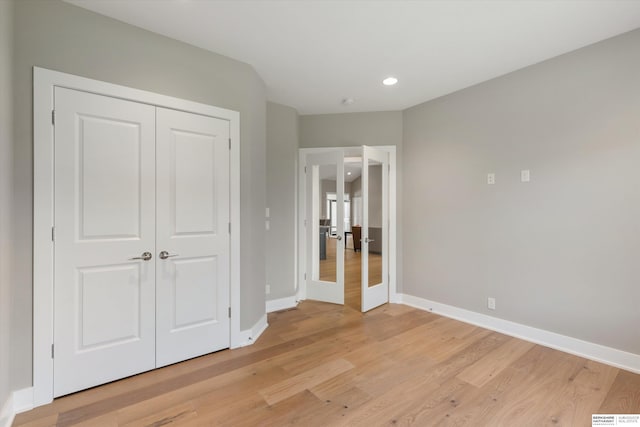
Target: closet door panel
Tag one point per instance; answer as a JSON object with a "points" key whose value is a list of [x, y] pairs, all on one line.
{"points": [[104, 316], [192, 235]]}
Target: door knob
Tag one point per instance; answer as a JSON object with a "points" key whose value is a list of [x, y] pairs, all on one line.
{"points": [[337, 237], [367, 240], [165, 255], [146, 256]]}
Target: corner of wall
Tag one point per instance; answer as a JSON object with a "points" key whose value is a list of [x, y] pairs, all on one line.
{"points": [[250, 336], [19, 401], [7, 412]]}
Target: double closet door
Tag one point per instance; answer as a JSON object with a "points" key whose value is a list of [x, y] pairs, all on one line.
{"points": [[141, 239]]}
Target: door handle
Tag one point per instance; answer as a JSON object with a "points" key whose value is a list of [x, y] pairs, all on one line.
{"points": [[367, 240], [165, 255], [146, 256], [337, 237]]}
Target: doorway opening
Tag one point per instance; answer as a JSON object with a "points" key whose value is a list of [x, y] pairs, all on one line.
{"points": [[347, 226]]}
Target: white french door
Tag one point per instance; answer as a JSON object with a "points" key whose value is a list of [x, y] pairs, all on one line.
{"points": [[375, 228], [325, 259], [141, 247]]}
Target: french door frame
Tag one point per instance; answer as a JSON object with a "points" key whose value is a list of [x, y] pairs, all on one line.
{"points": [[44, 82], [301, 252]]}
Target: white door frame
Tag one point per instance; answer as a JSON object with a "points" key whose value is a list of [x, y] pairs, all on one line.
{"points": [[301, 253], [44, 82]]}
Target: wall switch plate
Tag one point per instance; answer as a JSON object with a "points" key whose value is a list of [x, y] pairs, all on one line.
{"points": [[267, 225], [266, 212], [491, 303], [268, 289], [525, 175], [491, 178]]}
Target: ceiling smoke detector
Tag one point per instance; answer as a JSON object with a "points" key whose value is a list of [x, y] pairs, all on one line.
{"points": [[348, 101]]}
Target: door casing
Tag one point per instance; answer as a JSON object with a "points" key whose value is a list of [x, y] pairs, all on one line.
{"points": [[301, 252], [44, 82]]}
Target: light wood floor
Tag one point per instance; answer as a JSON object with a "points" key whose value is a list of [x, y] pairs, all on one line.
{"points": [[329, 365], [352, 271]]}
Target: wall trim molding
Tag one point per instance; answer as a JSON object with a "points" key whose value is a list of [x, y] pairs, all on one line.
{"points": [[23, 400], [281, 304], [17, 402], [596, 352], [7, 412], [250, 336]]}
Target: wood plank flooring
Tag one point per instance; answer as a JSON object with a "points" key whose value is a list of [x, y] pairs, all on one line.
{"points": [[327, 365], [352, 271]]}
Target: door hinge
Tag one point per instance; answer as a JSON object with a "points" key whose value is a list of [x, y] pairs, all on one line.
{"points": [[229, 312], [52, 350], [229, 228], [305, 222], [305, 276], [53, 117], [229, 143], [305, 169], [53, 234]]}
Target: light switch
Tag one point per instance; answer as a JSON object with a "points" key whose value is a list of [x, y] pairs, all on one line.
{"points": [[491, 178], [266, 212], [525, 175], [267, 225]]}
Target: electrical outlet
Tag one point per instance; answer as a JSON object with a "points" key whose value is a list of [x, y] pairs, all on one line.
{"points": [[267, 225], [491, 178], [491, 303], [268, 289], [525, 175]]}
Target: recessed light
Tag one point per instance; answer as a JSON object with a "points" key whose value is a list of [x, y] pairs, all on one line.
{"points": [[390, 81], [348, 173]]}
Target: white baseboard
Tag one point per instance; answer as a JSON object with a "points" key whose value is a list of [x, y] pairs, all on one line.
{"points": [[599, 353], [7, 412], [395, 298], [23, 400], [249, 336], [281, 304], [17, 402]]}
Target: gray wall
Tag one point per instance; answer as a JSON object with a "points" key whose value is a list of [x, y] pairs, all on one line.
{"points": [[355, 129], [351, 129], [6, 149], [561, 252], [56, 35], [282, 158]]}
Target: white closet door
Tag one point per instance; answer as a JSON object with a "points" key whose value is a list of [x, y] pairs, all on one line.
{"points": [[104, 216], [193, 229]]}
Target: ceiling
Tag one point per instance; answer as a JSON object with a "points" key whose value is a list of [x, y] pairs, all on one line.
{"points": [[312, 54], [352, 171]]}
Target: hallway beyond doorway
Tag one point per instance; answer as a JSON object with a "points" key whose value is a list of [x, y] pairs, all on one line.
{"points": [[352, 270]]}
